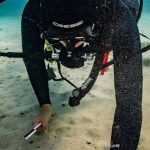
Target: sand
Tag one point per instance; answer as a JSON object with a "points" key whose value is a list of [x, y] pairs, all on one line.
{"points": [[86, 127]]}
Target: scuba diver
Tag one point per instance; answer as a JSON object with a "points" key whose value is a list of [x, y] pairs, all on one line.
{"points": [[105, 25]]}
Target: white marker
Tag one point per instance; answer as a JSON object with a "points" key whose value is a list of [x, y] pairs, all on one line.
{"points": [[32, 132]]}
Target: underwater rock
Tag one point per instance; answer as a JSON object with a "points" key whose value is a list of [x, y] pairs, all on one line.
{"points": [[88, 142], [6, 48], [146, 62]]}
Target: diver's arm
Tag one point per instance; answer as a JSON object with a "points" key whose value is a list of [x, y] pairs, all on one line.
{"points": [[31, 44]]}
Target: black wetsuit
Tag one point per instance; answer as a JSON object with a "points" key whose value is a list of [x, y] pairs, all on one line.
{"points": [[125, 41]]}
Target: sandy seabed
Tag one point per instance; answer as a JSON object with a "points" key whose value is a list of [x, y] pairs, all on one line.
{"points": [[86, 127]]}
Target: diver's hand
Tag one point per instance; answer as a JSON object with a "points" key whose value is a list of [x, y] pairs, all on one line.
{"points": [[44, 118]]}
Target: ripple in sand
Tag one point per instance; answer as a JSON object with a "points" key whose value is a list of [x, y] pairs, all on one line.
{"points": [[93, 133], [71, 122], [85, 120]]}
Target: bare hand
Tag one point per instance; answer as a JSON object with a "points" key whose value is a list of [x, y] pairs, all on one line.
{"points": [[44, 118]]}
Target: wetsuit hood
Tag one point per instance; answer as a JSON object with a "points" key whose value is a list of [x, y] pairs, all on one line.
{"points": [[66, 14]]}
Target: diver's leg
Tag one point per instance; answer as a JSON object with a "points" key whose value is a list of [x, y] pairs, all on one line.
{"points": [[133, 6], [32, 44], [128, 83]]}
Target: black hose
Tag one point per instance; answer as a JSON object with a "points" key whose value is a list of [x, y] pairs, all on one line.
{"points": [[75, 101], [23, 55], [12, 54]]}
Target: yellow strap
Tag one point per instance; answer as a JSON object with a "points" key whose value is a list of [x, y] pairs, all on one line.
{"points": [[49, 47]]}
